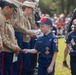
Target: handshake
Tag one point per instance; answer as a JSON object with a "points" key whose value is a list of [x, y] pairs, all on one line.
{"points": [[18, 50], [25, 51]]}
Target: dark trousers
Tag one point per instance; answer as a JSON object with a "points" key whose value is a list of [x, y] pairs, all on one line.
{"points": [[17, 66], [33, 57], [42, 70], [29, 60], [6, 63], [26, 60], [73, 64], [43, 66]]}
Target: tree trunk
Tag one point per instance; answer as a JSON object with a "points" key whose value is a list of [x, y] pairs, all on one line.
{"points": [[62, 6], [68, 7]]}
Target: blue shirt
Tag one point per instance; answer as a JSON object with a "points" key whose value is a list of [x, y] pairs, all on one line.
{"points": [[46, 45], [72, 41]]}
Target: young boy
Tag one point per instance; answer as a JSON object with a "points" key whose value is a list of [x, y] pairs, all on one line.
{"points": [[46, 46], [71, 43]]}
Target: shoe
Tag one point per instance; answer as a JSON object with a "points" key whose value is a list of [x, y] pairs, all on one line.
{"points": [[65, 64]]}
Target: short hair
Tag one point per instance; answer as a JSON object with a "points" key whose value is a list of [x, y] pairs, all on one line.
{"points": [[5, 3], [24, 7]]}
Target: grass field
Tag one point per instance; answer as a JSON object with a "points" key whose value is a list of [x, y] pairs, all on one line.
{"points": [[60, 70]]}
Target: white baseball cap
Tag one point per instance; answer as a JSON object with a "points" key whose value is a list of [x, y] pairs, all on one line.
{"points": [[16, 3], [29, 4]]}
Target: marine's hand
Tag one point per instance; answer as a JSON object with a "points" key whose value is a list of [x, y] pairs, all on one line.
{"points": [[50, 69], [1, 47], [16, 54], [32, 34], [17, 50]]}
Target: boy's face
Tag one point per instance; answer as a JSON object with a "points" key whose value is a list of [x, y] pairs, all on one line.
{"points": [[44, 28], [73, 29]]}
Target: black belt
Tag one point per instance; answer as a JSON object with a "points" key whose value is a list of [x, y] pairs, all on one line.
{"points": [[43, 58]]}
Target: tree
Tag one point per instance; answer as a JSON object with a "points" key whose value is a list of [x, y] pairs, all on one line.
{"points": [[57, 6], [47, 6]]}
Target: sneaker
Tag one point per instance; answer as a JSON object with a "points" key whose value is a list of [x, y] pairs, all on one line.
{"points": [[65, 64]]}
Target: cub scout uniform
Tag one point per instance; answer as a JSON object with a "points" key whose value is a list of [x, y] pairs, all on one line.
{"points": [[71, 40], [46, 46]]}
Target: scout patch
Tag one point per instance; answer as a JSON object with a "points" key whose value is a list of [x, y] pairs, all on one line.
{"points": [[47, 50], [55, 40]]}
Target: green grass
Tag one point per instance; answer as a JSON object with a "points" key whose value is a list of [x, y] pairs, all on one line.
{"points": [[60, 70]]}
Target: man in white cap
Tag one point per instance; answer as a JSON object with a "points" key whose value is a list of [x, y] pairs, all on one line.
{"points": [[30, 25], [19, 29], [10, 45]]}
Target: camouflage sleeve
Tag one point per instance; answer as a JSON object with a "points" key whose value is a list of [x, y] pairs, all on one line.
{"points": [[19, 24], [32, 22], [5, 39]]}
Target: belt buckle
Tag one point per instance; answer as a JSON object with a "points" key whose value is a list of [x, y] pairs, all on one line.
{"points": [[47, 58]]}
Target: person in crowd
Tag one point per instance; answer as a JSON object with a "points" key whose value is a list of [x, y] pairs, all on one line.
{"points": [[46, 46], [27, 12], [69, 30], [71, 43], [10, 45]]}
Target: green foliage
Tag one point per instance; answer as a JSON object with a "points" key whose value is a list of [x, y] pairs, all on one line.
{"points": [[57, 6], [60, 70], [47, 6]]}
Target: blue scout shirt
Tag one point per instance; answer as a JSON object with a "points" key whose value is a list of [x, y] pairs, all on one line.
{"points": [[72, 41], [46, 45]]}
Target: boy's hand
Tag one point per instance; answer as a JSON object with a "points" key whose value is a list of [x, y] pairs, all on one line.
{"points": [[71, 49], [24, 51], [50, 69]]}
